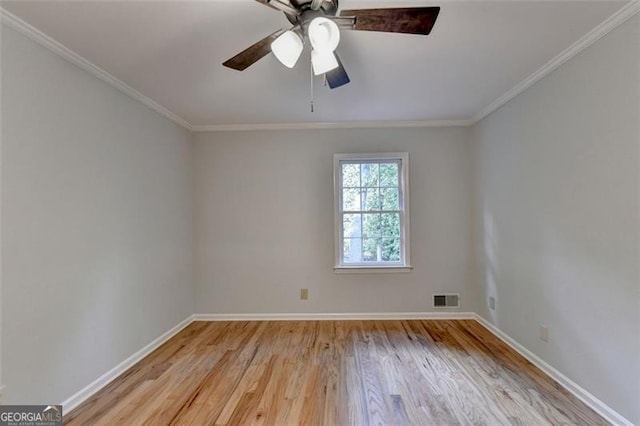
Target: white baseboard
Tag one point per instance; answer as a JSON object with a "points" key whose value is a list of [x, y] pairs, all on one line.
{"points": [[600, 407], [578, 391], [85, 393], [335, 316]]}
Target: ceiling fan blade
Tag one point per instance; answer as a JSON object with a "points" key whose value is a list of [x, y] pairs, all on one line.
{"points": [[410, 20], [338, 76], [253, 53], [316, 4]]}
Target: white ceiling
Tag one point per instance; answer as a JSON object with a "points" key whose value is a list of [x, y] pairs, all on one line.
{"points": [[172, 51]]}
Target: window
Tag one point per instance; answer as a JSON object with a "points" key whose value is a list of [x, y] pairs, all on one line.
{"points": [[372, 211]]}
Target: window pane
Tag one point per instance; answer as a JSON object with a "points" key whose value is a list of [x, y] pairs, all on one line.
{"points": [[350, 200], [371, 199], [389, 174], [390, 250], [370, 175], [352, 225], [371, 249], [350, 175], [370, 210], [352, 250], [390, 225], [371, 225], [389, 199]]}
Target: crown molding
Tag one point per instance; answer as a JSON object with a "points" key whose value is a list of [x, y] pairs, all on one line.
{"points": [[44, 40], [585, 41], [332, 125]]}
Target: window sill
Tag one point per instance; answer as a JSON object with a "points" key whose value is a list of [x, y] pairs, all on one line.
{"points": [[372, 269]]}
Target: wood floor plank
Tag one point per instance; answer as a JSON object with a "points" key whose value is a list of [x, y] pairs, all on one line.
{"points": [[423, 372]]}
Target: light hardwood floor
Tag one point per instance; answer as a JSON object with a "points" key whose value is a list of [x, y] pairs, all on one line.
{"points": [[334, 373]]}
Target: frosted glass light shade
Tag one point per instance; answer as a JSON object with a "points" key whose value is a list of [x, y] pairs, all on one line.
{"points": [[323, 61], [324, 34], [287, 48]]}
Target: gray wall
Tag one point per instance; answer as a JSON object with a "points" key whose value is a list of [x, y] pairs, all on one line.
{"points": [[97, 225], [265, 221], [98, 205], [557, 213]]}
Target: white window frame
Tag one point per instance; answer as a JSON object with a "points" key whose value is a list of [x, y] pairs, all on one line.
{"points": [[404, 265]]}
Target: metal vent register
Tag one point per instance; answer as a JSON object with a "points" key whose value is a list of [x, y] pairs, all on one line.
{"points": [[446, 300]]}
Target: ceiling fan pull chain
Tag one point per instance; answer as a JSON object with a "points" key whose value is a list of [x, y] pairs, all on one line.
{"points": [[311, 77]]}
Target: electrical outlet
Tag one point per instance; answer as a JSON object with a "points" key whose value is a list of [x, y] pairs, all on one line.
{"points": [[544, 333], [492, 303], [304, 293]]}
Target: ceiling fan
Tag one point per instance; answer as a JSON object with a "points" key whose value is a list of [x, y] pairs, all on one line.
{"points": [[319, 22]]}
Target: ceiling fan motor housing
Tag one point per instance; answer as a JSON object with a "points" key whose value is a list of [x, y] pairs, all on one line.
{"points": [[328, 8]]}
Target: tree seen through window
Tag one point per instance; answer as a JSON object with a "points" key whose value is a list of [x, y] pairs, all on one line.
{"points": [[371, 212]]}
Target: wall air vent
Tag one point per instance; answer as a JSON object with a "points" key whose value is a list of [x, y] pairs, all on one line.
{"points": [[446, 300]]}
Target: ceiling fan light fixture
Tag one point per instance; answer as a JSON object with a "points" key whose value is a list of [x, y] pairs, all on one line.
{"points": [[287, 48], [323, 61], [324, 34]]}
